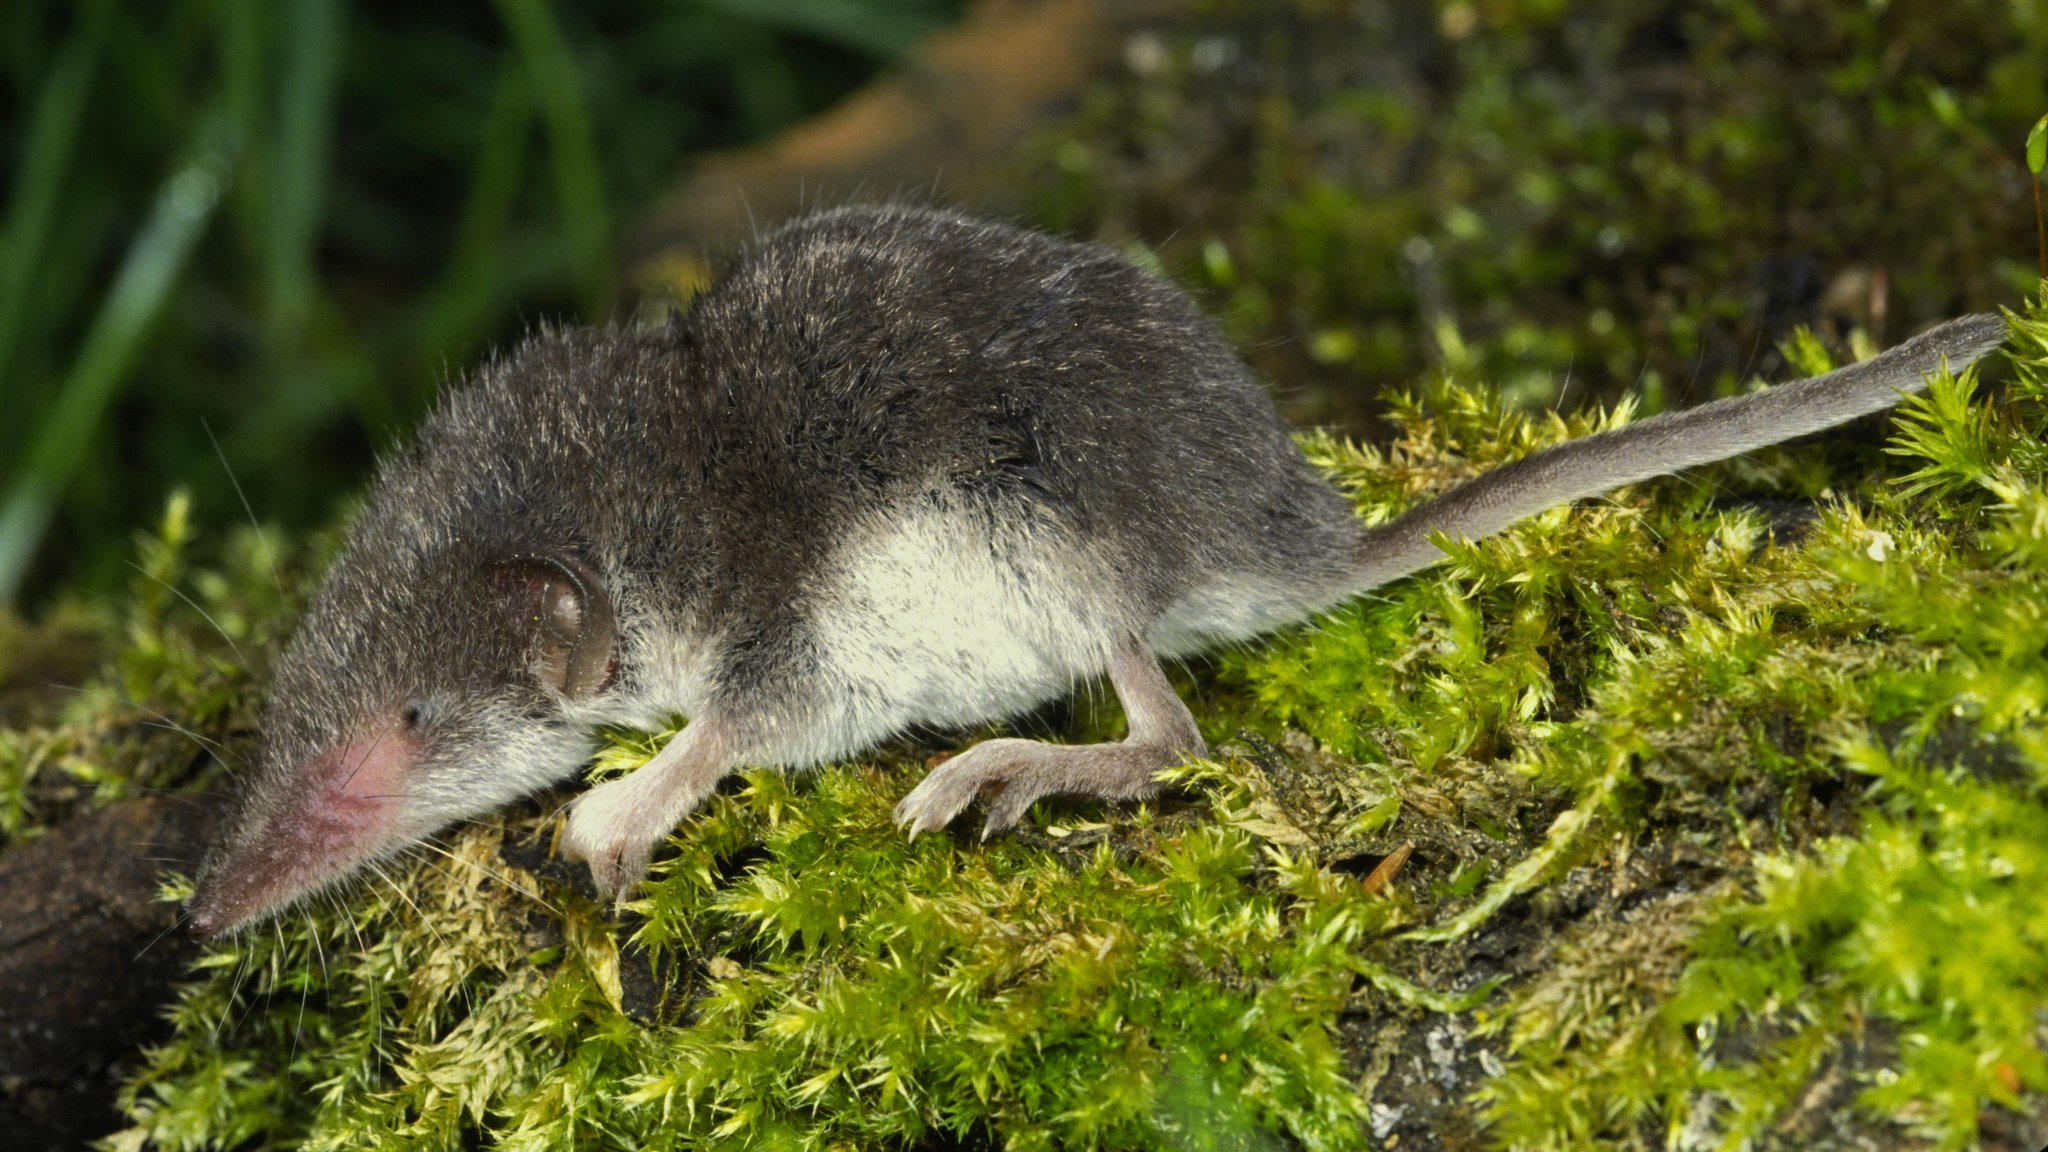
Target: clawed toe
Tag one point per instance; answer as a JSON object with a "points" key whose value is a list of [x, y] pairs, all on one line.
{"points": [[619, 871], [617, 863], [940, 797], [606, 832], [1007, 806]]}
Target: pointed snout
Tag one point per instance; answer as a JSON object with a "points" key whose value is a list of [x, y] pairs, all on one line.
{"points": [[300, 832], [262, 869], [208, 916]]}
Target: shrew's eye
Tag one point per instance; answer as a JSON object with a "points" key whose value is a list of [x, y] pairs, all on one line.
{"points": [[416, 714]]}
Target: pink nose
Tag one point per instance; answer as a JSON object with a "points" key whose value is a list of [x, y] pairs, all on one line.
{"points": [[205, 919], [354, 786], [310, 829]]}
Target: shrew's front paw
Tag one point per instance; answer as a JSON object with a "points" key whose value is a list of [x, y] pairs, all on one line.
{"points": [[616, 825], [608, 831]]}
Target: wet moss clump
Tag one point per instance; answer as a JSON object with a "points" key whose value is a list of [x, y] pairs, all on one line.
{"points": [[1712, 814]]}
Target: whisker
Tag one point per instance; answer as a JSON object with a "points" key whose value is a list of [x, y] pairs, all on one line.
{"points": [[333, 893], [269, 556], [180, 594], [1698, 362], [175, 924], [164, 721], [305, 990], [326, 980], [275, 960], [364, 757], [1564, 389], [173, 795], [500, 877], [234, 990], [469, 994], [214, 748], [410, 902], [371, 990], [349, 919], [1756, 348]]}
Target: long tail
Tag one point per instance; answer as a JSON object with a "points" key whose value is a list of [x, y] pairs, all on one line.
{"points": [[1666, 444]]}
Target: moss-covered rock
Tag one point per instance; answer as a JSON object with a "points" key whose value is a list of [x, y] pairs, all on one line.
{"points": [[1710, 815]]}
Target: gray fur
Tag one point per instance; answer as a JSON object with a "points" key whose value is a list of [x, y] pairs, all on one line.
{"points": [[896, 468], [1665, 444]]}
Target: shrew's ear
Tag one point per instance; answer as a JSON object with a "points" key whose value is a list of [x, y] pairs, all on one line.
{"points": [[559, 606]]}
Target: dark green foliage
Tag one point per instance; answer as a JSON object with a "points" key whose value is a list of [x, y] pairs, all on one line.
{"points": [[285, 221], [1630, 196]]}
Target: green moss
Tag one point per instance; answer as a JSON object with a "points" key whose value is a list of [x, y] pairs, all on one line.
{"points": [[846, 987], [100, 702], [1918, 682]]}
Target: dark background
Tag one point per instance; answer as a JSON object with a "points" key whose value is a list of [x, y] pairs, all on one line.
{"points": [[372, 193]]}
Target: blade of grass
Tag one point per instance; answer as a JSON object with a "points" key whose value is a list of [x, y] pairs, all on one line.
{"points": [[869, 27], [462, 300], [2037, 159], [310, 73], [183, 205], [242, 46], [52, 133], [147, 60], [579, 188], [316, 364], [315, 351]]}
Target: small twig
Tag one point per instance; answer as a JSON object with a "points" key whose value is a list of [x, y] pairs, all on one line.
{"points": [[2041, 226], [2037, 159], [1384, 873]]}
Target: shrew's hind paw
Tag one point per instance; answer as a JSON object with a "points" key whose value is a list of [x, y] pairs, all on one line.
{"points": [[952, 786], [1015, 773]]}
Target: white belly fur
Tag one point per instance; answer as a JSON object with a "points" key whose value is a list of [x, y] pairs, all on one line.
{"points": [[934, 618]]}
